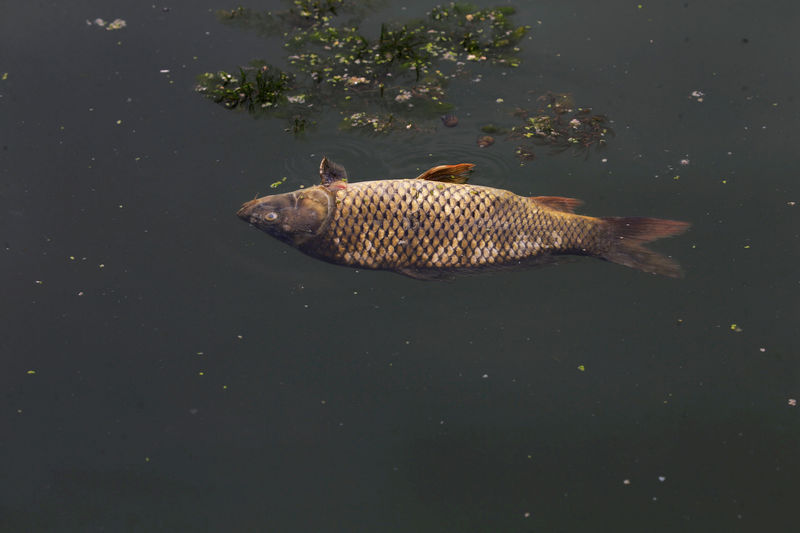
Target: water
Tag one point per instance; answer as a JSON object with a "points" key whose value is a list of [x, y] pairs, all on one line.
{"points": [[166, 368]]}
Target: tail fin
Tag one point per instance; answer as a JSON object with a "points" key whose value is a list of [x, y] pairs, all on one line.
{"points": [[629, 234]]}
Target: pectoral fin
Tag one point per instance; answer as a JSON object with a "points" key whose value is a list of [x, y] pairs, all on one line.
{"points": [[425, 275], [330, 172], [448, 173]]}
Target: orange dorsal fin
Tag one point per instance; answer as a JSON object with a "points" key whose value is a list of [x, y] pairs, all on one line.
{"points": [[559, 203], [448, 173]]}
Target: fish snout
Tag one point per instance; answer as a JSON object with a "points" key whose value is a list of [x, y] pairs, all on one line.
{"points": [[247, 210]]}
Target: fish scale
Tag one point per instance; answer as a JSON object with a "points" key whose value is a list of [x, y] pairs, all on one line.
{"points": [[418, 225], [436, 225]]}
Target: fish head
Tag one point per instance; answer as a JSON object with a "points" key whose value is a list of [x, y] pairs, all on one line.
{"points": [[292, 217]]}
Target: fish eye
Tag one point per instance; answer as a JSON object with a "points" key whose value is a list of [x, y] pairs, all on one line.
{"points": [[271, 216]]}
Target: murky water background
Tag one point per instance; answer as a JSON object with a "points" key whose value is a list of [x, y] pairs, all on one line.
{"points": [[167, 368]]}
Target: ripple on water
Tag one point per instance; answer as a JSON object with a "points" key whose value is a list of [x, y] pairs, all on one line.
{"points": [[406, 155]]}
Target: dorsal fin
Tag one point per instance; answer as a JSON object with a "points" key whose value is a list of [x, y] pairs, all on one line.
{"points": [[448, 173], [559, 203], [330, 172]]}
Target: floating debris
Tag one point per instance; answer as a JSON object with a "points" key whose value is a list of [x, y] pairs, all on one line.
{"points": [[562, 126], [484, 141], [373, 82], [491, 129], [697, 95], [116, 24], [524, 154], [257, 87], [450, 120]]}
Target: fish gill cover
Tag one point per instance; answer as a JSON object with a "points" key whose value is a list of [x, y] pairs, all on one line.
{"points": [[397, 81]]}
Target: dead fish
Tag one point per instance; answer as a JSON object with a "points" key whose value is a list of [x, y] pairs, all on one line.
{"points": [[450, 120], [437, 225]]}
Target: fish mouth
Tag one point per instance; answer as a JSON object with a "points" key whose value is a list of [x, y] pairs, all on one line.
{"points": [[246, 210]]}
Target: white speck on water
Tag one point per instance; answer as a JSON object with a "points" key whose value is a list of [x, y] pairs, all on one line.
{"points": [[698, 95]]}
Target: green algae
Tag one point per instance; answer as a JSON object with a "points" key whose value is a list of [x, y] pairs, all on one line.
{"points": [[558, 124], [257, 86], [397, 81], [561, 125]]}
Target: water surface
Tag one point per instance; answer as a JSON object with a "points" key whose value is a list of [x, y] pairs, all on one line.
{"points": [[167, 368]]}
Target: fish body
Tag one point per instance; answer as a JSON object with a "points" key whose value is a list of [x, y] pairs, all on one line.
{"points": [[437, 225]]}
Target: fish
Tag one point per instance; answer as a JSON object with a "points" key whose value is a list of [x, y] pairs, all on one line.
{"points": [[437, 226]]}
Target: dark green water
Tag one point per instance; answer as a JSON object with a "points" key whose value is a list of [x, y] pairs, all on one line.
{"points": [[166, 368]]}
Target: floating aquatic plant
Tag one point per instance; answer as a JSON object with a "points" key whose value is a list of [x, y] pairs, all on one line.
{"points": [[258, 86], [560, 125], [393, 82]]}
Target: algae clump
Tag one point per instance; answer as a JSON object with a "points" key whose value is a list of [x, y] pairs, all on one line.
{"points": [[397, 81]]}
